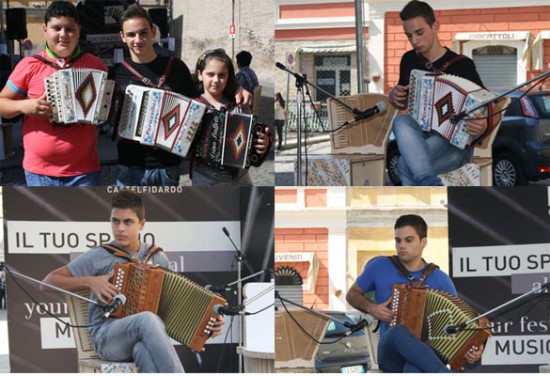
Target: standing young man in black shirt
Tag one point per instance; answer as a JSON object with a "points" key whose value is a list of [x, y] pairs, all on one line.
{"points": [[141, 164]]}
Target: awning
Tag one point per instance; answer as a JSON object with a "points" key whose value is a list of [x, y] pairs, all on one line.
{"points": [[495, 38], [326, 49], [309, 257], [538, 49]]}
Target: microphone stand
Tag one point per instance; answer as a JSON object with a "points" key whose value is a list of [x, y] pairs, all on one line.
{"points": [[300, 81], [240, 259], [455, 329], [244, 279], [360, 325], [457, 117], [66, 292]]}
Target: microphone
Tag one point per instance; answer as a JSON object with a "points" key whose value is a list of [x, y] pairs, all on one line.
{"points": [[118, 300], [380, 107], [453, 329], [227, 310], [217, 288], [226, 232], [283, 67], [280, 66], [354, 328], [456, 118]]}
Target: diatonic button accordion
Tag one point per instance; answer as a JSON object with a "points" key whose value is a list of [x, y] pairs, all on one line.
{"points": [[434, 98], [79, 95], [229, 140], [186, 308], [427, 312], [160, 118]]}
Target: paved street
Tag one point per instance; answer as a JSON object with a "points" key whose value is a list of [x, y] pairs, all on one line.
{"points": [[285, 160]]}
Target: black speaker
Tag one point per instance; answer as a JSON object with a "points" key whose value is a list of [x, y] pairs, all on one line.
{"points": [[16, 23], [160, 18]]}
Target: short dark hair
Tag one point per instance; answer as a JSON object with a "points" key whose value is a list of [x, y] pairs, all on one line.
{"points": [[61, 8], [135, 11], [219, 54], [244, 58], [416, 8], [126, 199], [415, 221]]}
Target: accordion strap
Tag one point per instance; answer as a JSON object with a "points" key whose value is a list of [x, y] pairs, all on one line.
{"points": [[429, 65], [54, 65], [153, 249], [147, 81], [427, 271]]}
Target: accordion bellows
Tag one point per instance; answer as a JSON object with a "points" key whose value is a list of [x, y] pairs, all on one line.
{"points": [[160, 118], [79, 95], [186, 308], [434, 99], [426, 313]]}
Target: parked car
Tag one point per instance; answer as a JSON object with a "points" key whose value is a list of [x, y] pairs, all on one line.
{"points": [[345, 355], [521, 149]]}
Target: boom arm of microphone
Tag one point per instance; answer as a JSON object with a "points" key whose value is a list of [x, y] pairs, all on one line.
{"points": [[458, 117], [301, 79], [353, 327], [11, 273], [452, 329]]}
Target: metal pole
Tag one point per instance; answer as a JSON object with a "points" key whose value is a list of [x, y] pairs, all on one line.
{"points": [[359, 43], [299, 109], [233, 23]]}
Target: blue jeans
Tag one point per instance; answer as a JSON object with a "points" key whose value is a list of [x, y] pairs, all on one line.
{"points": [[400, 351], [141, 338], [425, 155], [141, 176], [85, 180]]}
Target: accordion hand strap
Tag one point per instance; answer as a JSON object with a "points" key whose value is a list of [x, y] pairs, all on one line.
{"points": [[427, 271]]}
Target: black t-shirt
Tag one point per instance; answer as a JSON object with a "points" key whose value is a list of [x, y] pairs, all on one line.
{"points": [[463, 67], [178, 80]]}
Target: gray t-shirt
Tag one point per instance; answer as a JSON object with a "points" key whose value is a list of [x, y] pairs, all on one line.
{"points": [[98, 261]]}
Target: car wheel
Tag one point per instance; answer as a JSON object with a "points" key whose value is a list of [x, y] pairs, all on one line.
{"points": [[507, 171], [391, 166]]}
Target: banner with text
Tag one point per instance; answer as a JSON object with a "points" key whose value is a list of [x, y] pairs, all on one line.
{"points": [[500, 259], [202, 232]]}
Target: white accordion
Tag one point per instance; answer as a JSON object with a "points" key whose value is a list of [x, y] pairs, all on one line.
{"points": [[160, 118], [434, 99], [79, 95]]}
